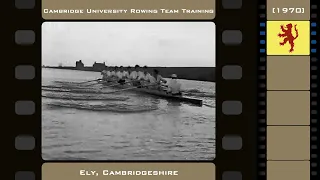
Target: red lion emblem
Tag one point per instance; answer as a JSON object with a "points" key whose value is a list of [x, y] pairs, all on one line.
{"points": [[288, 36]]}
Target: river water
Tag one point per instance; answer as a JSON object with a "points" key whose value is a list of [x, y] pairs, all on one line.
{"points": [[80, 123]]}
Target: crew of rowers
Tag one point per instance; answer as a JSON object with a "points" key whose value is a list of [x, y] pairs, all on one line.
{"points": [[142, 78]]}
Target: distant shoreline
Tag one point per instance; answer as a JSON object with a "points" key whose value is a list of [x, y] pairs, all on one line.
{"points": [[188, 73]]}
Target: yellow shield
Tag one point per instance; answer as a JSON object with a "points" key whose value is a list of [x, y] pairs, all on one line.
{"points": [[288, 38]]}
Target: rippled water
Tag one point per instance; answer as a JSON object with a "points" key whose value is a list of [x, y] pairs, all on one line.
{"points": [[81, 123]]}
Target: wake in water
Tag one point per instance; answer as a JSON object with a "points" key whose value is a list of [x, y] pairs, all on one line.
{"points": [[199, 94], [103, 107], [81, 98], [88, 98], [73, 90], [78, 96]]}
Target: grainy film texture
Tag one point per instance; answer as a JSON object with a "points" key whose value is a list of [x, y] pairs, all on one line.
{"points": [[128, 91]]}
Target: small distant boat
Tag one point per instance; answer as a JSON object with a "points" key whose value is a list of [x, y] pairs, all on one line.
{"points": [[154, 92]]}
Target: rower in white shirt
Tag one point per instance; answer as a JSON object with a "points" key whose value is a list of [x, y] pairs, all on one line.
{"points": [[108, 73], [140, 77], [159, 80], [158, 77], [104, 75], [129, 70], [113, 73], [134, 76], [142, 80], [151, 81], [174, 87], [134, 73], [141, 73], [145, 78], [126, 73], [120, 77], [103, 72]]}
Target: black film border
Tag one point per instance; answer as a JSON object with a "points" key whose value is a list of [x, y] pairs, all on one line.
{"points": [[261, 137], [239, 55], [314, 91]]}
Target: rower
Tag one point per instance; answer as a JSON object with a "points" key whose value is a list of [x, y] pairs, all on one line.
{"points": [[142, 76], [141, 73], [174, 87], [142, 80], [152, 82], [159, 79], [134, 76], [119, 75], [147, 79], [112, 76], [126, 73], [113, 73], [108, 73], [104, 75]]}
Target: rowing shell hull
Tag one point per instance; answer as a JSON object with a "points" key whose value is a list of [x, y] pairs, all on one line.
{"points": [[158, 93]]}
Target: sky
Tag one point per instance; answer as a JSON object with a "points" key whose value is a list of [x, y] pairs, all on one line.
{"points": [[166, 44]]}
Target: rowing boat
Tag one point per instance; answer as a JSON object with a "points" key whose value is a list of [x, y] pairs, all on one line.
{"points": [[155, 92]]}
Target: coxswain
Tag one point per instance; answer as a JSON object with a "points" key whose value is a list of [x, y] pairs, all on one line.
{"points": [[174, 87]]}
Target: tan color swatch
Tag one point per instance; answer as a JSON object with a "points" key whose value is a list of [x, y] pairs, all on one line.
{"points": [[288, 170], [71, 171], [288, 73], [288, 108], [288, 10], [137, 5], [288, 143]]}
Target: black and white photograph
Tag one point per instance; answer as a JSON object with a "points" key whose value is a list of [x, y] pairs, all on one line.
{"points": [[128, 91]]}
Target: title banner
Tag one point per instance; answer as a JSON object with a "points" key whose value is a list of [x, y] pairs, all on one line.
{"points": [[128, 9]]}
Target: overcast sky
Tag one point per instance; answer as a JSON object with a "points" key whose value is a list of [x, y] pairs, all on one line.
{"points": [[179, 44]]}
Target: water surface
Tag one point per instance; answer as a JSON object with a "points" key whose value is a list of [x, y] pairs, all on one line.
{"points": [[81, 123]]}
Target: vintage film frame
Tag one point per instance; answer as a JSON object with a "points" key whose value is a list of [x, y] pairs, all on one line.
{"points": [[314, 93], [236, 110]]}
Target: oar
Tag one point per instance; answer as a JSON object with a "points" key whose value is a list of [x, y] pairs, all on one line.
{"points": [[111, 85], [128, 89], [115, 84], [88, 81], [121, 90]]}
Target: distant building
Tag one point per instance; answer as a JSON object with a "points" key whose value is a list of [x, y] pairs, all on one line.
{"points": [[79, 65], [99, 66]]}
